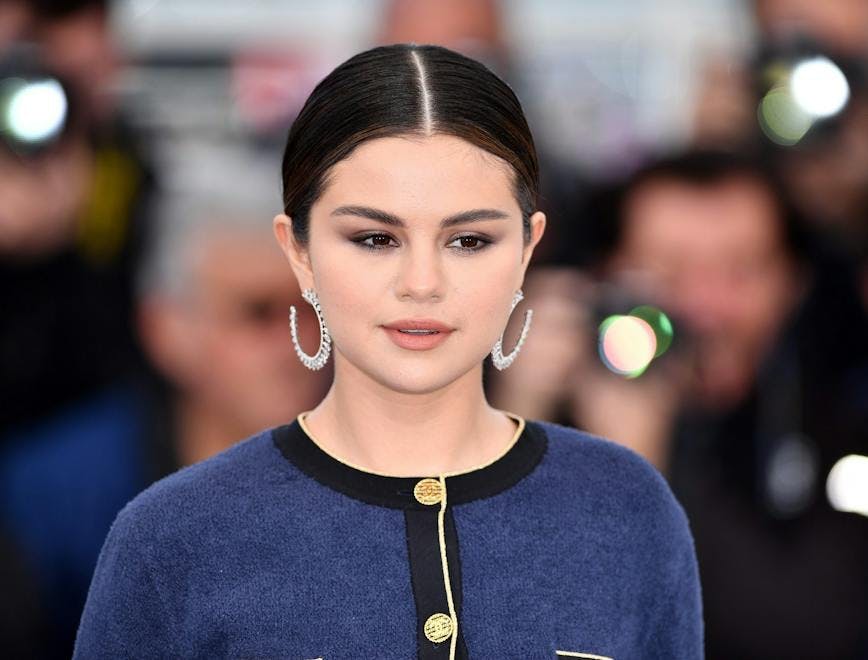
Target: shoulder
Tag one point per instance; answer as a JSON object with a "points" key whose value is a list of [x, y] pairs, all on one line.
{"points": [[614, 481], [616, 499], [598, 459], [199, 495]]}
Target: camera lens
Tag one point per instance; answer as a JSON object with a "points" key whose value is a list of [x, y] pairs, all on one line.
{"points": [[34, 103], [33, 113]]}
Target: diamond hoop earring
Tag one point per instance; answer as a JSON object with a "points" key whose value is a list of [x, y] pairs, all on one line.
{"points": [[500, 360], [313, 362]]}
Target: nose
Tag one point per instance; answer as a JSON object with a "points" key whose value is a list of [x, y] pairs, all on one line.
{"points": [[420, 276]]}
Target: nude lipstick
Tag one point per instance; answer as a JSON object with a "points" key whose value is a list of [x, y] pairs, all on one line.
{"points": [[417, 334]]}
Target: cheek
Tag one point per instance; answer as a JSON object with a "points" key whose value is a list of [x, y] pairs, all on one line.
{"points": [[353, 291], [767, 303], [223, 357], [485, 298], [346, 285]]}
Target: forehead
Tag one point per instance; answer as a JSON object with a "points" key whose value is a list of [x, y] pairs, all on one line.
{"points": [[737, 215], [417, 176]]}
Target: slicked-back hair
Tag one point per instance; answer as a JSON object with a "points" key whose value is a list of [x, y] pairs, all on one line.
{"points": [[404, 89]]}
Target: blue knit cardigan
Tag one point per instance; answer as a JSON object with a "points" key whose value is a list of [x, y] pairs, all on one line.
{"points": [[565, 546]]}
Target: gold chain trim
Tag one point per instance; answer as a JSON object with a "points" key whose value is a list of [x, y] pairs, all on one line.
{"points": [[443, 560]]}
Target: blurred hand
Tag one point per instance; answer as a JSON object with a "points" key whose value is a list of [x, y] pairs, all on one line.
{"points": [[638, 413]]}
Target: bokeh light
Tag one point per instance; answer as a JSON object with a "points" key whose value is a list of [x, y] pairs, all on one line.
{"points": [[819, 87], [781, 118], [847, 484], [34, 111], [627, 344], [799, 94], [660, 324]]}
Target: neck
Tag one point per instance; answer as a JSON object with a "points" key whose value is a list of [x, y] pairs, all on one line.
{"points": [[367, 424], [202, 431]]}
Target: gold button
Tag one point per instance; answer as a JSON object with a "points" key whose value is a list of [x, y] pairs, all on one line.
{"points": [[428, 491], [438, 627]]}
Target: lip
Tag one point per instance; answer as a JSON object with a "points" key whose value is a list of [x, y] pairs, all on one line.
{"points": [[417, 342], [418, 324]]}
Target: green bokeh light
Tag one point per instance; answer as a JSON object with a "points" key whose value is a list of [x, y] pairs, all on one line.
{"points": [[660, 323]]}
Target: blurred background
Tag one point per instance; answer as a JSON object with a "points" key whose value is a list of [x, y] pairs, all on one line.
{"points": [[700, 294]]}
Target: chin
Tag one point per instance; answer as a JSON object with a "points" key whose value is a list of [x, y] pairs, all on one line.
{"points": [[416, 376], [415, 381], [410, 372]]}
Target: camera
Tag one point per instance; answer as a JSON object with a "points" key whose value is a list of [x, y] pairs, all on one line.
{"points": [[803, 89], [630, 333]]}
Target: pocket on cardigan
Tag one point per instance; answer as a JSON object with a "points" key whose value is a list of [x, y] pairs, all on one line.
{"points": [[579, 654]]}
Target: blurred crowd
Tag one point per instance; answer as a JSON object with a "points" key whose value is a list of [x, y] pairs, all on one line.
{"points": [[707, 307]]}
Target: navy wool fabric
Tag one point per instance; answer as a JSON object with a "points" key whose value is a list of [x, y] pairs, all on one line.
{"points": [[246, 556]]}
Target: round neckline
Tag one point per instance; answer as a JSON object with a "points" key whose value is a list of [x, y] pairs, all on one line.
{"points": [[518, 419], [520, 457]]}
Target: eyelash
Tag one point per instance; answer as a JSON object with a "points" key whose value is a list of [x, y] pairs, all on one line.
{"points": [[360, 241]]}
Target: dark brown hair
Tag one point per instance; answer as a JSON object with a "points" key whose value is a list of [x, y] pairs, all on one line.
{"points": [[706, 169], [398, 90]]}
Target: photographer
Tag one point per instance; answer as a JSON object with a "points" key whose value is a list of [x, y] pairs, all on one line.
{"points": [[74, 190], [747, 412]]}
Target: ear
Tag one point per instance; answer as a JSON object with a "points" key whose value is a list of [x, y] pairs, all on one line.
{"points": [[297, 255], [537, 228]]}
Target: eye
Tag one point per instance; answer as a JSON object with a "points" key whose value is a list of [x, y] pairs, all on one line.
{"points": [[377, 241], [467, 243], [471, 243]]}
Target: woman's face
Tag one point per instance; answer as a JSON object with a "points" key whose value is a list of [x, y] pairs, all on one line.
{"points": [[379, 254]]}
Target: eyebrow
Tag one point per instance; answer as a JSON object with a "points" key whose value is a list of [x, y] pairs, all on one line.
{"points": [[385, 217]]}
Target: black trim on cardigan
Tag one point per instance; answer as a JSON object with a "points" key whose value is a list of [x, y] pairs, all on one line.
{"points": [[397, 492], [426, 573]]}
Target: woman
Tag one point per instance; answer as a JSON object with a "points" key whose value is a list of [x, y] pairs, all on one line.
{"points": [[404, 516]]}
